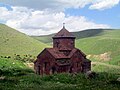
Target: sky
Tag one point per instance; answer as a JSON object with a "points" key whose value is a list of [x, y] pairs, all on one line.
{"points": [[43, 17]]}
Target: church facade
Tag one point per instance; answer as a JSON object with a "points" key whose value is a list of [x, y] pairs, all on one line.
{"points": [[63, 57]]}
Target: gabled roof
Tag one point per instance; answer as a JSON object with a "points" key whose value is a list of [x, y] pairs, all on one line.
{"points": [[64, 33], [58, 54]]}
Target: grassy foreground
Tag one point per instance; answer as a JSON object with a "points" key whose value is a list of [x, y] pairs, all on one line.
{"points": [[15, 75]]}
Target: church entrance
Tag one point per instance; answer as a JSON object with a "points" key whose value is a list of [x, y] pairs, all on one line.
{"points": [[63, 68]]}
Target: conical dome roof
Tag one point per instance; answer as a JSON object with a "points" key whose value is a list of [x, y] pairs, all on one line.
{"points": [[64, 33]]}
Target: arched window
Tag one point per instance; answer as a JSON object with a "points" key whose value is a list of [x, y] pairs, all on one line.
{"points": [[57, 43], [71, 69], [38, 70], [53, 70], [46, 65]]}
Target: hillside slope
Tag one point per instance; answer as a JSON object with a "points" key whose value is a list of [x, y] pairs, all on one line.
{"points": [[47, 39], [13, 42], [104, 47], [79, 35]]}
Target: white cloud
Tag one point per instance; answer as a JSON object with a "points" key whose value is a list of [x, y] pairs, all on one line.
{"points": [[36, 4], [104, 4], [48, 4], [61, 5], [74, 3], [36, 22]]}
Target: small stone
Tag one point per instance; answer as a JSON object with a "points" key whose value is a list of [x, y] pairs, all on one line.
{"points": [[2, 77], [118, 79]]}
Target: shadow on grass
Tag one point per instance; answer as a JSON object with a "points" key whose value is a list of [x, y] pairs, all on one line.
{"points": [[15, 72]]}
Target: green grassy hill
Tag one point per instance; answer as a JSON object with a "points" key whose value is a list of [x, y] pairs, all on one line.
{"points": [[104, 47], [99, 44], [13, 42], [47, 39], [81, 34]]}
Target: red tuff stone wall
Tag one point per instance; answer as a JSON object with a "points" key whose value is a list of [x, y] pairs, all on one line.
{"points": [[44, 63], [64, 43], [77, 61]]}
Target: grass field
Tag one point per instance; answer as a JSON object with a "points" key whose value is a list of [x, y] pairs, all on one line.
{"points": [[15, 74]]}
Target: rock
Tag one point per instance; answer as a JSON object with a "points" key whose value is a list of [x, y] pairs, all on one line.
{"points": [[90, 74], [118, 79], [2, 77]]}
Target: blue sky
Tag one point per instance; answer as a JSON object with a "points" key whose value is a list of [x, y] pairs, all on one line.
{"points": [[109, 16], [40, 17], [5, 5]]}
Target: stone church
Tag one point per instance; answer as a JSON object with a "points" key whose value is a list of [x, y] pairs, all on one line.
{"points": [[63, 57]]}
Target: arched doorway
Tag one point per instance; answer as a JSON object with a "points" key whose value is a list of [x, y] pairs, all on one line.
{"points": [[52, 70]]}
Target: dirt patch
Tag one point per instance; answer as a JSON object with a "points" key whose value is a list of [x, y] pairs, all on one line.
{"points": [[30, 65], [104, 57]]}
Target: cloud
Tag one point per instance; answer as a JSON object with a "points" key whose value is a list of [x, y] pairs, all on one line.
{"points": [[35, 4], [61, 5], [104, 4], [42, 4], [41, 22], [74, 3], [53, 5]]}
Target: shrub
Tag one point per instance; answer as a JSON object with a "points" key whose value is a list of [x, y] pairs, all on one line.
{"points": [[17, 57], [9, 57], [25, 58]]}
